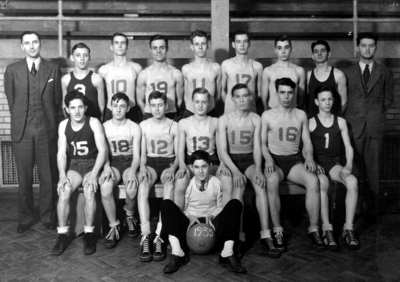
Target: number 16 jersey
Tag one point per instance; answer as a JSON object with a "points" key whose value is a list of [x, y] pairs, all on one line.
{"points": [[120, 138]]}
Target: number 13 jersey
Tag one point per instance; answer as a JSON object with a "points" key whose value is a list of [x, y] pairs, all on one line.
{"points": [[200, 140], [160, 144], [81, 143], [120, 138], [241, 138]]}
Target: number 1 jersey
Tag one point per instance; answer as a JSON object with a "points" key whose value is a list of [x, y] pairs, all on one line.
{"points": [[120, 138]]}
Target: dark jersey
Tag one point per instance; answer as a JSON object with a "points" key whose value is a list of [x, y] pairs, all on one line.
{"points": [[86, 87], [313, 84], [81, 143], [326, 140]]}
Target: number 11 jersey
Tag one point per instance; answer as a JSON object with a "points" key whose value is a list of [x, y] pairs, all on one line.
{"points": [[120, 138]]}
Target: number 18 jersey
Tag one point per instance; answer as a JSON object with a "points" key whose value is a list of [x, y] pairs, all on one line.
{"points": [[241, 138], [160, 144], [120, 138], [200, 140]]}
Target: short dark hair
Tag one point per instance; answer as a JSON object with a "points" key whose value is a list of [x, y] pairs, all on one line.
{"points": [[366, 35], [322, 88], [282, 38], [30, 32], [201, 90], [80, 45], [198, 33], [240, 32], [237, 87], [73, 95], [158, 37], [200, 155], [320, 42], [284, 81], [119, 34], [120, 96], [157, 95]]}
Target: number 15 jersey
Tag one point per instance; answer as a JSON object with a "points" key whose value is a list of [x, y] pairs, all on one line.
{"points": [[241, 138], [160, 144], [81, 143], [120, 138]]}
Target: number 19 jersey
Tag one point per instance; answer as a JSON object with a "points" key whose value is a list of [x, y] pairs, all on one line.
{"points": [[120, 138], [160, 144], [200, 140], [241, 138]]}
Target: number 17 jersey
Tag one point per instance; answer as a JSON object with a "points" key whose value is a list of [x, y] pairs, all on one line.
{"points": [[120, 138]]}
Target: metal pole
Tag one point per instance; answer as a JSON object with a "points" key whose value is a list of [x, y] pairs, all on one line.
{"points": [[60, 29], [355, 27]]}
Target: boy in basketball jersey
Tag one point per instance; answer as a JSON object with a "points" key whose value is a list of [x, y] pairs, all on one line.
{"points": [[240, 150], [327, 131], [240, 69], [123, 136], [203, 203], [282, 129], [283, 68], [82, 138], [324, 74], [120, 76], [199, 132], [86, 81], [162, 77], [158, 162], [201, 73]]}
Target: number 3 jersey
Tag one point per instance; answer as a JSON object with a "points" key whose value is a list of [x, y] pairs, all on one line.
{"points": [[120, 137], [200, 139], [160, 144], [284, 137], [326, 140], [81, 143], [241, 138]]}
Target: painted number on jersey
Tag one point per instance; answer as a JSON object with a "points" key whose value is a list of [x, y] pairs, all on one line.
{"points": [[162, 86], [326, 140], [203, 83], [118, 86], [81, 88], [291, 133], [161, 147], [245, 78], [80, 148], [204, 145], [122, 146], [244, 137]]}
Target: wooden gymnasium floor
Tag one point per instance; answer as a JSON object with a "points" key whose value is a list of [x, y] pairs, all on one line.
{"points": [[26, 257]]}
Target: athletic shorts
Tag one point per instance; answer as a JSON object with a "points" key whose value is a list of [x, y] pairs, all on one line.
{"points": [[242, 161], [327, 163], [134, 115], [121, 163], [213, 158], [286, 163], [212, 113], [168, 115], [82, 166], [160, 164]]}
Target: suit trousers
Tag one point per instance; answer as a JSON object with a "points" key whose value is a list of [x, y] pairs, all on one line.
{"points": [[367, 154], [35, 146], [226, 223]]}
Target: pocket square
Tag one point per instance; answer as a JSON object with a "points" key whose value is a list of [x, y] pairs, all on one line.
{"points": [[50, 80]]}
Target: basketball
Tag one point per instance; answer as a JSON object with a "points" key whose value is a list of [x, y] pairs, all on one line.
{"points": [[201, 238]]}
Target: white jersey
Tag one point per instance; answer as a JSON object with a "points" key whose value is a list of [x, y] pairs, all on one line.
{"points": [[120, 138]]}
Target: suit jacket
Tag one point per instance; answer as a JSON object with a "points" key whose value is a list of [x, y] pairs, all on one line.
{"points": [[367, 104], [16, 89]]}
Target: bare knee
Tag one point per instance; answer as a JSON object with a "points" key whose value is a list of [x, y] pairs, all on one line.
{"points": [[312, 183], [88, 194], [351, 184], [106, 190], [131, 193], [324, 184], [143, 192], [272, 184]]}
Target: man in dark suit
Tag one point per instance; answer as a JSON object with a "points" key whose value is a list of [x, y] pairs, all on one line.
{"points": [[370, 93], [33, 90]]}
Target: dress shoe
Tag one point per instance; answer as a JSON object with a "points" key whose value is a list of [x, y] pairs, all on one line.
{"points": [[175, 263], [61, 245], [89, 243], [232, 263], [50, 225], [22, 228]]}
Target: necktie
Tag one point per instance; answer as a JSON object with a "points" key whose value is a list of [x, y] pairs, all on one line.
{"points": [[202, 186], [366, 74], [33, 69]]}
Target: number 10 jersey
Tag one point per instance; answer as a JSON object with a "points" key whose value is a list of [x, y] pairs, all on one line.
{"points": [[120, 138]]}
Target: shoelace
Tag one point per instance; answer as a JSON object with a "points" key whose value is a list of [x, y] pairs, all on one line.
{"points": [[145, 243], [317, 238], [331, 240], [270, 243], [113, 232], [130, 220], [279, 237], [351, 235], [158, 241]]}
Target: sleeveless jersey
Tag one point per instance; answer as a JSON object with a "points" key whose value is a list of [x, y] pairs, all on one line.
{"points": [[81, 143], [200, 140], [326, 140], [238, 74], [164, 83], [120, 138], [161, 144], [279, 72], [200, 79], [313, 84], [86, 86], [284, 139], [120, 79], [240, 139]]}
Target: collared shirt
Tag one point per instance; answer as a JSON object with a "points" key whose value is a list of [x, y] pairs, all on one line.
{"points": [[362, 66], [30, 61]]}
